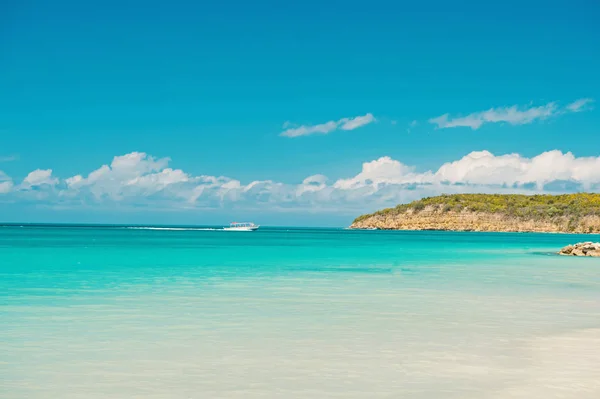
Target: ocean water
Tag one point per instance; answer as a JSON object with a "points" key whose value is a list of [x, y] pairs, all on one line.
{"points": [[113, 312]]}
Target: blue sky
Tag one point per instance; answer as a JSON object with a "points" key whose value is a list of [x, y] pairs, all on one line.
{"points": [[211, 86]]}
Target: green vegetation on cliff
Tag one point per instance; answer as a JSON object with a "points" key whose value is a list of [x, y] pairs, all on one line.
{"points": [[525, 207]]}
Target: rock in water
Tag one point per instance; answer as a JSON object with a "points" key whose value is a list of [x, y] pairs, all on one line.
{"points": [[567, 250], [582, 249]]}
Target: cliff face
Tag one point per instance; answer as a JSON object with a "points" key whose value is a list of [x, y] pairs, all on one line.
{"points": [[436, 218]]}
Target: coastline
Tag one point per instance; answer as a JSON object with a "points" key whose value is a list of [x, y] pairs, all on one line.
{"points": [[574, 213], [433, 219], [474, 231]]}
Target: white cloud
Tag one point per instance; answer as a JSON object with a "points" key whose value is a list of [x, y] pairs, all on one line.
{"points": [[580, 105], [384, 170], [386, 181], [136, 173], [312, 184], [158, 181], [484, 168], [39, 177], [138, 179], [306, 130], [327, 127], [9, 158], [354, 123], [6, 183], [513, 115], [6, 187]]}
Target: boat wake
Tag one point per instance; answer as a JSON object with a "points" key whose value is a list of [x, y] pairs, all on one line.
{"points": [[175, 228]]}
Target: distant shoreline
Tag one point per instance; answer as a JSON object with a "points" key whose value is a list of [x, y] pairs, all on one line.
{"points": [[205, 228], [511, 213], [474, 231]]}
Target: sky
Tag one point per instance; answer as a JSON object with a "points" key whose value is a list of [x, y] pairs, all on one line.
{"points": [[290, 113]]}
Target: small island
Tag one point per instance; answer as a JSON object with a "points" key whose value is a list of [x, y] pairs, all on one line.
{"points": [[567, 213]]}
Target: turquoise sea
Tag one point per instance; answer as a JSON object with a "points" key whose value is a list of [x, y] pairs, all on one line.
{"points": [[116, 312]]}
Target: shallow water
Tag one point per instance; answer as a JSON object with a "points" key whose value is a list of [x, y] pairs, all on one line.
{"points": [[94, 312]]}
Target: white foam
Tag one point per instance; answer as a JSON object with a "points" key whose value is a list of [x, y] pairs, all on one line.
{"points": [[175, 228]]}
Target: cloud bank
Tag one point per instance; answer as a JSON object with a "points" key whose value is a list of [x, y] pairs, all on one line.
{"points": [[513, 115], [327, 127], [139, 180]]}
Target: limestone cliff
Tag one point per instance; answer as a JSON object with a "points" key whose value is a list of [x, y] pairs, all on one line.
{"points": [[572, 213]]}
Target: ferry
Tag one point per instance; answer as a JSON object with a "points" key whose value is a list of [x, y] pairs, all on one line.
{"points": [[243, 226]]}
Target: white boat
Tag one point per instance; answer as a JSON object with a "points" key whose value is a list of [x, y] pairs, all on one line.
{"points": [[244, 226]]}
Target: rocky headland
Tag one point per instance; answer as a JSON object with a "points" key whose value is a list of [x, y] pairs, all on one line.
{"points": [[568, 213]]}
